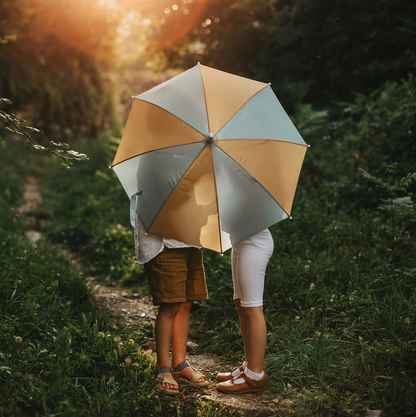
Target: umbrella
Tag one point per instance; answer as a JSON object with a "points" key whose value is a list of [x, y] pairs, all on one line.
{"points": [[209, 158]]}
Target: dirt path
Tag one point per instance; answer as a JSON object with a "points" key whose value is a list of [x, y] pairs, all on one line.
{"points": [[135, 310]]}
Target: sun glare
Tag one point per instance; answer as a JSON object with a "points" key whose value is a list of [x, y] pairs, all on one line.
{"points": [[100, 27]]}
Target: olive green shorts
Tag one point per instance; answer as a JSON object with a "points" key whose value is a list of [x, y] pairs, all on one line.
{"points": [[176, 276]]}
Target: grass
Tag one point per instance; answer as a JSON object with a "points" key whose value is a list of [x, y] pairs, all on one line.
{"points": [[339, 295]]}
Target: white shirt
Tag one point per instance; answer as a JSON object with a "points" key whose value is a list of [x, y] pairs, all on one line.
{"points": [[149, 245]]}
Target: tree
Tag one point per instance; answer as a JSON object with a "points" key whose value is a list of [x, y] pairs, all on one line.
{"points": [[56, 61], [311, 50]]}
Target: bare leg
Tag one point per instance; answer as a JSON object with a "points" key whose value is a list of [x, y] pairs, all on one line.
{"points": [[256, 337], [163, 334], [244, 329], [180, 339]]}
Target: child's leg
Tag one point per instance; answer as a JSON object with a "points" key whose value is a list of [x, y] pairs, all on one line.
{"points": [[180, 339], [163, 333]]}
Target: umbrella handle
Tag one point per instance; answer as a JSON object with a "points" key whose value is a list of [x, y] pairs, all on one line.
{"points": [[133, 202]]}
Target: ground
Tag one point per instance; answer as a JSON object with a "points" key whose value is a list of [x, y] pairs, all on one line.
{"points": [[135, 310]]}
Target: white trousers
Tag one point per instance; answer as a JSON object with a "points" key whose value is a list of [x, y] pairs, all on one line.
{"points": [[249, 263]]}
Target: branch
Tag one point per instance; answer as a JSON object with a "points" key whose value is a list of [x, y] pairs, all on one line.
{"points": [[19, 126]]}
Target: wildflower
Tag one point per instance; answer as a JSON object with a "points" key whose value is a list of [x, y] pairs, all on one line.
{"points": [[120, 345], [289, 386], [312, 286], [127, 361], [111, 380], [131, 342], [407, 321], [297, 318], [360, 339], [18, 339], [69, 341], [117, 340], [82, 356], [312, 308], [101, 334], [306, 267], [52, 355]]}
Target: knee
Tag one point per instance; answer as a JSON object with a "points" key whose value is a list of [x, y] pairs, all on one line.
{"points": [[253, 313], [186, 306], [170, 309], [237, 303]]}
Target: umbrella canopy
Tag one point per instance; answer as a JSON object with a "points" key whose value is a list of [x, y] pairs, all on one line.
{"points": [[212, 158]]}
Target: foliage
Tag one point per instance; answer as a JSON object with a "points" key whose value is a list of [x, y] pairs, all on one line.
{"points": [[79, 211], [316, 51], [55, 63], [19, 126]]}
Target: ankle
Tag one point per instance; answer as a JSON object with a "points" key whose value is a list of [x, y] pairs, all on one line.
{"points": [[254, 375]]}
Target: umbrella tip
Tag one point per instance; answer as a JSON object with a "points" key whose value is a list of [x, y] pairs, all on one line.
{"points": [[290, 217], [110, 167], [270, 83], [309, 145]]}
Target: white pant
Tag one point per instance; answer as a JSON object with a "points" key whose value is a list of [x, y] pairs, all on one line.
{"points": [[249, 263]]}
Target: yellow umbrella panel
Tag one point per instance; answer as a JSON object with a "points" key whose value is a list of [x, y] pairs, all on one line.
{"points": [[213, 158]]}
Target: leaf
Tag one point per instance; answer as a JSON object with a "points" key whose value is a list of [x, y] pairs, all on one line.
{"points": [[18, 132], [33, 129]]}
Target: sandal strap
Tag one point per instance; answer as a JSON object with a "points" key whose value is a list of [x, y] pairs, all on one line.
{"points": [[196, 376], [168, 381], [182, 365], [252, 382], [161, 370]]}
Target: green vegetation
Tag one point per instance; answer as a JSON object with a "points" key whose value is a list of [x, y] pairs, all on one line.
{"points": [[340, 288]]}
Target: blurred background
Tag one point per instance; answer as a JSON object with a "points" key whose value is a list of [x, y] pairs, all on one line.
{"points": [[70, 67]]}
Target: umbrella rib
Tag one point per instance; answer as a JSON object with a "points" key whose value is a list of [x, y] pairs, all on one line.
{"points": [[216, 195]]}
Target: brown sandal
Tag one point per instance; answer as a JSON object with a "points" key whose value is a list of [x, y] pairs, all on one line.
{"points": [[249, 385], [226, 376]]}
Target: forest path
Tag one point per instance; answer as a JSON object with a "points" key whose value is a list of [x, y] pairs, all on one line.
{"points": [[137, 310]]}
